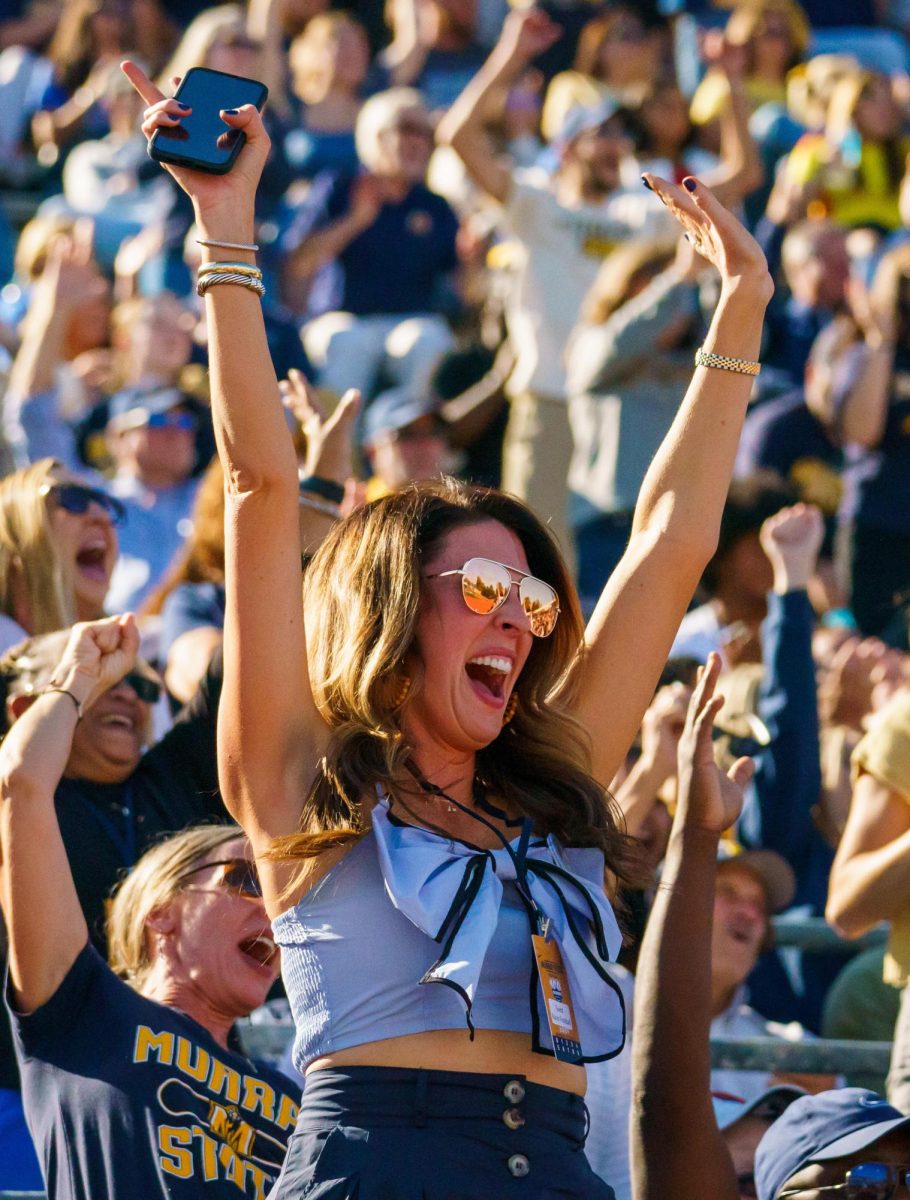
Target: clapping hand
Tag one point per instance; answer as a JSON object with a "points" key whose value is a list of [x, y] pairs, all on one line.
{"points": [[707, 798], [329, 440]]}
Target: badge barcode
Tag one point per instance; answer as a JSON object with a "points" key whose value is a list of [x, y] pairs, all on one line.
{"points": [[567, 1049]]}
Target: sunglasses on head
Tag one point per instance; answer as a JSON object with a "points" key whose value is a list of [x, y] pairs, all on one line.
{"points": [[486, 584], [236, 875], [145, 688], [77, 498], [867, 1181]]}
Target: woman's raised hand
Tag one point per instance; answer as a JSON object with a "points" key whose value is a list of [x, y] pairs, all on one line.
{"points": [[234, 191], [716, 234], [97, 655]]}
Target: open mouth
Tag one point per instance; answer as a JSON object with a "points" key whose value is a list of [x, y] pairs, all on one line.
{"points": [[119, 721], [92, 560], [489, 674], [261, 950]]}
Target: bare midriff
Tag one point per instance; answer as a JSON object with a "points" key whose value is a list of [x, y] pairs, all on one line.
{"points": [[492, 1052]]}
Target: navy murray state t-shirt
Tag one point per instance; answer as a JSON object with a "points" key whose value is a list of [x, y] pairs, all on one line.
{"points": [[126, 1098]]}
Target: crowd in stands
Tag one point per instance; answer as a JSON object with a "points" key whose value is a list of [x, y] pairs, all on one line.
{"points": [[452, 222]]}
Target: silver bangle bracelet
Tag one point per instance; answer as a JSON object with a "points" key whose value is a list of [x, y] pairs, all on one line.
{"points": [[320, 506], [227, 245], [204, 282]]}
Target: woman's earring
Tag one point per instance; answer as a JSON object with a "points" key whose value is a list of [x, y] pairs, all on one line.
{"points": [[404, 688], [510, 709]]}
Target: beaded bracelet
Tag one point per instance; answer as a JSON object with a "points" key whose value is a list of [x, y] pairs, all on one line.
{"points": [[741, 366], [318, 485]]}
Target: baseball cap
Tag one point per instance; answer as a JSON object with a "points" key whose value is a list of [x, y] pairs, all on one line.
{"points": [[818, 1128], [772, 869], [582, 119], [133, 406], [395, 409], [730, 1109]]}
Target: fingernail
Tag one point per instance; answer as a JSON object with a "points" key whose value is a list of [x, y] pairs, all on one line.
{"points": [[647, 185], [185, 107], [689, 184], [232, 112]]}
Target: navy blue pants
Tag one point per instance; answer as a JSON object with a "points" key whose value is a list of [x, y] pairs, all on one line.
{"points": [[383, 1133]]}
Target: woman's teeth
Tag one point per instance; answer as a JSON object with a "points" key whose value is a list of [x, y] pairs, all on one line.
{"points": [[493, 663]]}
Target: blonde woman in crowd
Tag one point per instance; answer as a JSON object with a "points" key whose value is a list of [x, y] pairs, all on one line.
{"points": [[58, 548]]}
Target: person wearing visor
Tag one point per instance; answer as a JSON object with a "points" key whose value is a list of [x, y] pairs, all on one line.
{"points": [[152, 440], [126, 1071], [404, 438], [419, 753], [847, 1144]]}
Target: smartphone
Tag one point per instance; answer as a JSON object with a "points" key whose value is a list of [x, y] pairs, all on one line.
{"points": [[202, 140]]}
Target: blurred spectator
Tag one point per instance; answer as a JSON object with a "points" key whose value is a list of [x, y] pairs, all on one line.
{"points": [[152, 439], [433, 49], [404, 438], [617, 58], [854, 167], [563, 225], [57, 550], [868, 880], [866, 407], [378, 250], [89, 41], [770, 37], [751, 886], [744, 1123], [738, 577], [190, 599], [328, 61], [623, 396]]}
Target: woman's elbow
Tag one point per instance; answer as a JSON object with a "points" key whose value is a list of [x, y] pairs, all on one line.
{"points": [[846, 917]]}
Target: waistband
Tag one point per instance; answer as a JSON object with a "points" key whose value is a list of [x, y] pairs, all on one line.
{"points": [[397, 1096]]}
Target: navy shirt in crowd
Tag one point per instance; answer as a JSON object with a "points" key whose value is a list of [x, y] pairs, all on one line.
{"points": [[877, 482], [397, 266], [126, 1097]]}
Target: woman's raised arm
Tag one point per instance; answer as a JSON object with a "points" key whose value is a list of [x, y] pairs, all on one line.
{"points": [[677, 516], [269, 730], [43, 915]]}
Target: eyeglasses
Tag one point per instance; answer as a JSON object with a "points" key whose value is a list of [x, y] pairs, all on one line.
{"points": [[77, 498], [868, 1181], [486, 584], [238, 875], [183, 421], [145, 688]]}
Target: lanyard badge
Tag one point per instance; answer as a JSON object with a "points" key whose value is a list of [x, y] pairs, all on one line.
{"points": [[557, 996]]}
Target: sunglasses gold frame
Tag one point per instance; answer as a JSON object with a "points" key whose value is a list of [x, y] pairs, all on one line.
{"points": [[533, 614]]}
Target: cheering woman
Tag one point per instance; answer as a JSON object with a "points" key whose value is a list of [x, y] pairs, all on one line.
{"points": [[419, 751]]}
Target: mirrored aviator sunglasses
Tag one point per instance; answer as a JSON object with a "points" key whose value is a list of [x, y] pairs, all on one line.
{"points": [[866, 1181], [77, 498], [486, 584]]}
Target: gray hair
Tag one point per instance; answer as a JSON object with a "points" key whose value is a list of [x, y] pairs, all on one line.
{"points": [[379, 114]]}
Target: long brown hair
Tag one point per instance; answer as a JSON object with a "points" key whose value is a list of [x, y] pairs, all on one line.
{"points": [[362, 596]]}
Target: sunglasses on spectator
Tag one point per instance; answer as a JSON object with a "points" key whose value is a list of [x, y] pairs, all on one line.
{"points": [[486, 584], [236, 875], [183, 421], [77, 498], [868, 1181], [146, 689]]}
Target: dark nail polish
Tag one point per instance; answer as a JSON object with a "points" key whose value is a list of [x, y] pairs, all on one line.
{"points": [[232, 112], [690, 185], [185, 107], [647, 185]]}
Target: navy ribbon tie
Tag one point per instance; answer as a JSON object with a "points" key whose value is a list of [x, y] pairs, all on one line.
{"points": [[452, 891]]}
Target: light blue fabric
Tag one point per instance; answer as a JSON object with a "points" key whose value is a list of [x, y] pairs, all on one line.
{"points": [[407, 907]]}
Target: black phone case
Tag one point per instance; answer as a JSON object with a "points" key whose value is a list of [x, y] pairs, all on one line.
{"points": [[179, 160]]}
